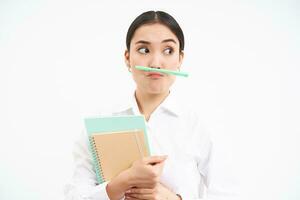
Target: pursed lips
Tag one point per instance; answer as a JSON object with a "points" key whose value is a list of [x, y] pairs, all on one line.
{"points": [[154, 74]]}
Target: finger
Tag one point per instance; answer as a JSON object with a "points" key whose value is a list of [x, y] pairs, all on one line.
{"points": [[140, 191], [131, 198], [139, 196], [150, 186], [154, 159], [158, 167], [145, 184]]}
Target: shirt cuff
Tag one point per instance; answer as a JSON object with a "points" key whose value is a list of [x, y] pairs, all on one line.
{"points": [[99, 192]]}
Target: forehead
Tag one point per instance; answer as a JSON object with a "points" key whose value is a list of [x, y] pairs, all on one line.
{"points": [[154, 33]]}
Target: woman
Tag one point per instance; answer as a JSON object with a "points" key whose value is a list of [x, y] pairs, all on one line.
{"points": [[155, 40]]}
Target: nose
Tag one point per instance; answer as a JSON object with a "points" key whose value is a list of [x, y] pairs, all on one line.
{"points": [[155, 61]]}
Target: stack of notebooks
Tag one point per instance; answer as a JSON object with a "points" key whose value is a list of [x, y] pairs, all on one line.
{"points": [[115, 143]]}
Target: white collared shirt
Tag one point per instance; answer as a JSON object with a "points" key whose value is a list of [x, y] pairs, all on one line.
{"points": [[172, 130]]}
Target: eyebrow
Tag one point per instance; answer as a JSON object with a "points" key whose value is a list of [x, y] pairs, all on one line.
{"points": [[147, 42], [169, 40]]}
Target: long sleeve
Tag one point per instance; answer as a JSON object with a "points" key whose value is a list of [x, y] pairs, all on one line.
{"points": [[217, 174], [83, 184], [214, 166]]}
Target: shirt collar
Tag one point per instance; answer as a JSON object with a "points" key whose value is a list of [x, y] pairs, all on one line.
{"points": [[170, 105]]}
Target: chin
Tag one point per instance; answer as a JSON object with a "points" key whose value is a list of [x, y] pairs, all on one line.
{"points": [[157, 91]]}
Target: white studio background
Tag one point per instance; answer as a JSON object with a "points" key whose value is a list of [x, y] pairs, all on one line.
{"points": [[61, 60]]}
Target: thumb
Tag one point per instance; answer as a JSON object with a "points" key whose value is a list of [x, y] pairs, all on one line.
{"points": [[155, 159]]}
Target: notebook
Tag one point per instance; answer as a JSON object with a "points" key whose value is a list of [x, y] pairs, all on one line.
{"points": [[115, 143]]}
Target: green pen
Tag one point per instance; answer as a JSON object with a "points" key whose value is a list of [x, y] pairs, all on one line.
{"points": [[165, 71]]}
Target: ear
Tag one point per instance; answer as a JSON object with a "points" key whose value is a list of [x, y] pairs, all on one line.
{"points": [[126, 58], [181, 55]]}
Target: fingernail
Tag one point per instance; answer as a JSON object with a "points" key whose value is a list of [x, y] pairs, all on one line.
{"points": [[128, 191]]}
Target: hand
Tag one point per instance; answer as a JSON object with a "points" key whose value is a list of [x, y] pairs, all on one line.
{"points": [[146, 173], [160, 192]]}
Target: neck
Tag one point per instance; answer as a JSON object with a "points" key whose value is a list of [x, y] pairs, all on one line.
{"points": [[147, 103]]}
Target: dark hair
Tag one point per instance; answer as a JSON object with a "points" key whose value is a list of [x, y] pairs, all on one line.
{"points": [[152, 17]]}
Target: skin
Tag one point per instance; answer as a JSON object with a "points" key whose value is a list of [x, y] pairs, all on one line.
{"points": [[153, 45]]}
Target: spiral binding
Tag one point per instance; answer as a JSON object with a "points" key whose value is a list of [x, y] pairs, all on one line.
{"points": [[97, 161]]}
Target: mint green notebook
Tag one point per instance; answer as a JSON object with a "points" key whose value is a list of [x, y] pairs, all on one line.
{"points": [[112, 138]]}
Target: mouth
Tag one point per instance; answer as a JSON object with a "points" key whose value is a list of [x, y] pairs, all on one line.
{"points": [[154, 75]]}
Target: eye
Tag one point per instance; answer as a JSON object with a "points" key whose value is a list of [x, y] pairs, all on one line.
{"points": [[168, 51], [143, 50]]}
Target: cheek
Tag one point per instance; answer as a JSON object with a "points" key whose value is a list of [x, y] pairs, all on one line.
{"points": [[138, 76], [136, 59], [171, 80], [173, 62]]}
